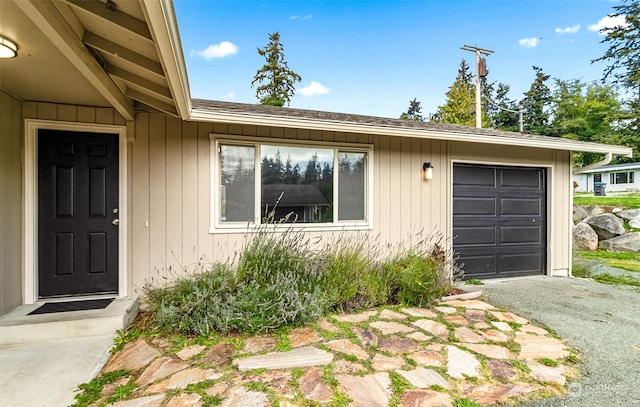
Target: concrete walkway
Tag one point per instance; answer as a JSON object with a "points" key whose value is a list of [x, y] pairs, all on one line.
{"points": [[602, 321]]}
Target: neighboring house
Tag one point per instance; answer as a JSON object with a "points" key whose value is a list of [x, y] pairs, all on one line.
{"points": [[618, 178], [111, 173]]}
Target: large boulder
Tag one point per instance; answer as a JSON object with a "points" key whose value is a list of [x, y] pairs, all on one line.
{"points": [[629, 242], [634, 224], [584, 237], [583, 212], [606, 225], [629, 214]]}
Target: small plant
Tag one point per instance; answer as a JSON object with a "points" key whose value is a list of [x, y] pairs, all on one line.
{"points": [[122, 338], [466, 402], [91, 392], [474, 281], [549, 362]]}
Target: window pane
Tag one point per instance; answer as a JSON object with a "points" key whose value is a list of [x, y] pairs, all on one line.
{"points": [[297, 183], [622, 177], [237, 169], [351, 181]]}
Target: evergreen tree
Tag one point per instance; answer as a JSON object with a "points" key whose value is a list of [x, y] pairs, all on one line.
{"points": [[501, 118], [460, 105], [536, 105], [277, 81], [414, 112]]}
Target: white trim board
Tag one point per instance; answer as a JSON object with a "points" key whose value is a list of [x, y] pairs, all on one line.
{"points": [[30, 203]]}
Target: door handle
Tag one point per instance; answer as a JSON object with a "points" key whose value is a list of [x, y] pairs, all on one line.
{"points": [[116, 222]]}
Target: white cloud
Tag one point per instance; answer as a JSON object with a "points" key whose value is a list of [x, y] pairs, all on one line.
{"points": [[529, 42], [308, 16], [568, 30], [230, 95], [314, 88], [224, 49], [608, 23]]}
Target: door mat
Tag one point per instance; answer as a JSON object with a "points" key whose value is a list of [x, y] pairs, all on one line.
{"points": [[66, 306]]}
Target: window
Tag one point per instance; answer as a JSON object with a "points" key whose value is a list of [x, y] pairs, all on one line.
{"points": [[318, 186], [621, 177]]}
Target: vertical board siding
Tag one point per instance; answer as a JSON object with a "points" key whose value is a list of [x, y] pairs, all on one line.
{"points": [[10, 203], [139, 203]]}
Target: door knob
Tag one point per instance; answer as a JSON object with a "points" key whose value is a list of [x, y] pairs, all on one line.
{"points": [[116, 222]]}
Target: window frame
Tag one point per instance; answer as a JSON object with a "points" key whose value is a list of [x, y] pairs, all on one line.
{"points": [[217, 226], [613, 178]]}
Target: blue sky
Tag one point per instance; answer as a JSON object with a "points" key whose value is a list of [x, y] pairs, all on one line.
{"points": [[373, 57]]}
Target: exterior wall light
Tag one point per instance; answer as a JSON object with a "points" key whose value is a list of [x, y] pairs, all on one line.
{"points": [[8, 49], [427, 171]]}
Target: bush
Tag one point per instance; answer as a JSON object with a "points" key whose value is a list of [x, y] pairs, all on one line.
{"points": [[284, 278]]}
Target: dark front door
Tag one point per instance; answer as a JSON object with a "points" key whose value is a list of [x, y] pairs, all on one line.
{"points": [[499, 220], [77, 213]]}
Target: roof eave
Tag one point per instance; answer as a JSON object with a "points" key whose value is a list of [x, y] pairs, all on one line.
{"points": [[349, 127], [163, 25]]}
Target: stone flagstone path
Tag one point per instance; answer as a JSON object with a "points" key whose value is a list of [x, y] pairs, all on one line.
{"points": [[402, 356]]}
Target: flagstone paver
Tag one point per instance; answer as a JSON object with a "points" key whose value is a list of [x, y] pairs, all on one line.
{"points": [[419, 312], [469, 304], [159, 369], [190, 351], [433, 327], [425, 398], [183, 378], [424, 378], [134, 356], [382, 362], [370, 390], [427, 358], [299, 357], [348, 347], [390, 327], [464, 334], [538, 347], [390, 314], [359, 356], [461, 363]]}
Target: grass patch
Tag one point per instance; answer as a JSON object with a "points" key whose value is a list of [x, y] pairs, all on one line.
{"points": [[548, 362], [616, 280], [626, 261], [474, 281], [466, 402], [628, 201], [92, 391]]}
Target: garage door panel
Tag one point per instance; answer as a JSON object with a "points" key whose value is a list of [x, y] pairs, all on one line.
{"points": [[521, 178], [499, 225], [476, 236], [474, 206], [510, 235], [473, 176], [520, 206]]}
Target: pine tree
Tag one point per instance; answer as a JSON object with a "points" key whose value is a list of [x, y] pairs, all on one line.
{"points": [[277, 81], [460, 105], [414, 112], [536, 105]]}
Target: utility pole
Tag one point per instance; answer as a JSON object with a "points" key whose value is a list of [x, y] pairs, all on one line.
{"points": [[481, 71]]}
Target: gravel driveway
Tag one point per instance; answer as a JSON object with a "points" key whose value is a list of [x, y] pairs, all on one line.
{"points": [[602, 322]]}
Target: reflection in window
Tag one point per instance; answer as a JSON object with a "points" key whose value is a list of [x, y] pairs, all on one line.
{"points": [[621, 178], [237, 171], [297, 183], [351, 195]]}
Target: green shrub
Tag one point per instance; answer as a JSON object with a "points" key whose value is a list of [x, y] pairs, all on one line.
{"points": [[418, 279]]}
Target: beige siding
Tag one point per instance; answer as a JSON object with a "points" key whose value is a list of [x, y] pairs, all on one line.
{"points": [[10, 203]]}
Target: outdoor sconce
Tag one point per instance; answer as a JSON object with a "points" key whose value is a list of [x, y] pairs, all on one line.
{"points": [[8, 49], [427, 171]]}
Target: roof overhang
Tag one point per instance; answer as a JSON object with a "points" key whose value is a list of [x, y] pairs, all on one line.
{"points": [[459, 134]]}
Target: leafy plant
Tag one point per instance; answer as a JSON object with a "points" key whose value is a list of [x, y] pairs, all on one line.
{"points": [[466, 402], [474, 281], [92, 391]]}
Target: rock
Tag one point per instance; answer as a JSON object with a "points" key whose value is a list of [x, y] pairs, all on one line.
{"points": [[461, 363], [220, 355], [509, 317], [580, 214], [502, 371], [371, 390], [381, 362], [424, 378], [348, 348], [466, 335], [425, 398], [185, 400], [355, 318], [456, 320], [389, 314], [629, 242], [419, 312], [629, 214], [303, 336], [159, 369], [469, 304], [182, 379], [397, 345], [426, 358], [190, 351], [538, 347], [486, 394], [634, 224], [367, 336], [313, 387], [584, 237], [240, 396], [390, 327], [433, 327], [257, 344], [134, 356], [299, 357], [616, 210], [548, 374], [490, 351], [419, 336], [606, 225], [147, 401], [594, 210], [346, 367]]}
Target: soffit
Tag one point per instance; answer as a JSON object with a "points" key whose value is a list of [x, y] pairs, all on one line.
{"points": [[87, 52]]}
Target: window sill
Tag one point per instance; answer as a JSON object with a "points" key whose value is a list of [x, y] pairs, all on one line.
{"points": [[346, 227]]}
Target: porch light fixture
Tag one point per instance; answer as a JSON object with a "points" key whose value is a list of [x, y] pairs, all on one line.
{"points": [[8, 49], [427, 171]]}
